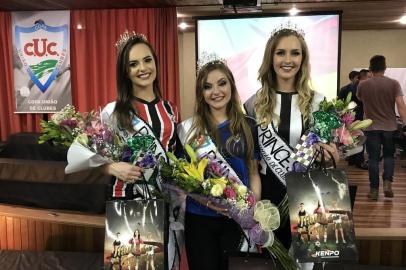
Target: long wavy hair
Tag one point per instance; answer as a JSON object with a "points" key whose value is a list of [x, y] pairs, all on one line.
{"points": [[204, 122], [266, 97], [124, 107]]}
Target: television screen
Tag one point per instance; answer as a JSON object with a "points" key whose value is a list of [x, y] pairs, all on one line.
{"points": [[241, 41]]}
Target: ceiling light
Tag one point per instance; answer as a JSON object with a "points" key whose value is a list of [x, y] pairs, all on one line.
{"points": [[293, 11], [183, 25], [403, 19]]}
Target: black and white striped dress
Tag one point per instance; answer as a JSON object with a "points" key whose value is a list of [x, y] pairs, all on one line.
{"points": [[290, 128], [162, 116]]}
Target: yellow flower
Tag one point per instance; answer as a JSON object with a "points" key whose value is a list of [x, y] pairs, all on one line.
{"points": [[82, 139], [196, 172], [241, 190], [222, 181], [217, 190], [241, 204]]}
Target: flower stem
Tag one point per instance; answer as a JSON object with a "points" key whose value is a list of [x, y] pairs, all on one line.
{"points": [[284, 210], [282, 255]]}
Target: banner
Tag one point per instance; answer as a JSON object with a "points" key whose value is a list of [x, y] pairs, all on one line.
{"points": [[41, 61]]}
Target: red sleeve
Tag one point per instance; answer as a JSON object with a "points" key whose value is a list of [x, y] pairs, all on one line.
{"points": [[175, 112]]}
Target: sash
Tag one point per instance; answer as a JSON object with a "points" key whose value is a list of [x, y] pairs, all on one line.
{"points": [[275, 152], [207, 149], [143, 128]]}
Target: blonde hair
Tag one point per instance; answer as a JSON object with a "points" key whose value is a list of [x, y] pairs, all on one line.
{"points": [[204, 122], [266, 98]]}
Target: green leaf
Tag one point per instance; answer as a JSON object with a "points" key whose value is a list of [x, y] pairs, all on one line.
{"points": [[348, 99]]}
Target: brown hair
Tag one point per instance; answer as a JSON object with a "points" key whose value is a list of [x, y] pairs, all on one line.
{"points": [[204, 121], [124, 107]]}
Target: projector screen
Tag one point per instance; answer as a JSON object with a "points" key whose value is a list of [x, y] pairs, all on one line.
{"points": [[241, 41]]}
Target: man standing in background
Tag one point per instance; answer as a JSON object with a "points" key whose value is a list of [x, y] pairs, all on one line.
{"points": [[351, 87], [379, 94], [355, 76]]}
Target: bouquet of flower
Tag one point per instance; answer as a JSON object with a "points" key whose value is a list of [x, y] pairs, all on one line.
{"points": [[64, 126], [99, 143], [349, 134], [202, 179], [333, 122]]}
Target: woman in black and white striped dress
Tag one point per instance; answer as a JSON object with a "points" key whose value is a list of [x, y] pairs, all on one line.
{"points": [[283, 108]]}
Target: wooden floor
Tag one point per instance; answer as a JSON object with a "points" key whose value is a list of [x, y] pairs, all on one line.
{"points": [[382, 219]]}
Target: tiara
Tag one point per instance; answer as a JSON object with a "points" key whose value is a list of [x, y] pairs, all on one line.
{"points": [[127, 36], [288, 28], [209, 58]]}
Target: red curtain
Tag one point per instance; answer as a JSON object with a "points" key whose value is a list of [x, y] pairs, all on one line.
{"points": [[94, 55], [9, 121], [93, 59]]}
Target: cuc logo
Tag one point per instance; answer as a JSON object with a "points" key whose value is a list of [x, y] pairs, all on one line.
{"points": [[42, 50]]}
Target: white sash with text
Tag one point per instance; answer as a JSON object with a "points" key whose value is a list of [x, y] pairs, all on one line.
{"points": [[275, 152]]}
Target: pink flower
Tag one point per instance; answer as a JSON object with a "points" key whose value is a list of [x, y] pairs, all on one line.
{"points": [[232, 179], [347, 118], [214, 167], [230, 193], [251, 200], [95, 128], [343, 135]]}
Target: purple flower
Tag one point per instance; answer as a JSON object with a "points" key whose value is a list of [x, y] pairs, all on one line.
{"points": [[71, 123], [127, 153], [147, 161], [312, 139], [347, 118], [107, 136]]}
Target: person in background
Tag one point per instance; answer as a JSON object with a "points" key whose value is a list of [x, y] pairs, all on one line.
{"points": [[358, 159], [210, 235], [350, 87], [380, 94]]}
